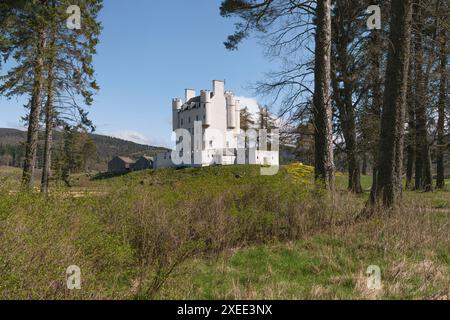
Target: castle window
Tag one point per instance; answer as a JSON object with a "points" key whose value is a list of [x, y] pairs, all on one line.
{"points": [[210, 143], [189, 119], [181, 121], [196, 118]]}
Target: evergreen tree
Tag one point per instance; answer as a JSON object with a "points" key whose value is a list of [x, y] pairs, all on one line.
{"points": [[322, 112], [288, 20], [73, 154], [25, 40], [423, 177], [246, 119], [348, 24], [51, 61], [69, 71], [265, 118], [443, 106], [387, 187]]}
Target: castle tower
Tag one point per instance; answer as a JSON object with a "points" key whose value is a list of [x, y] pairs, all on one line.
{"points": [[176, 107], [205, 99], [231, 111]]}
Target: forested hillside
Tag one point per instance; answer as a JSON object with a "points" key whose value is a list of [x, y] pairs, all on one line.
{"points": [[12, 148]]}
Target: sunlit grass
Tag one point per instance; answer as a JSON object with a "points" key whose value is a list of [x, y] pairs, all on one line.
{"points": [[258, 237]]}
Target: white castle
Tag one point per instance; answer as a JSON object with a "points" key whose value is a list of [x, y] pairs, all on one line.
{"points": [[208, 132]]}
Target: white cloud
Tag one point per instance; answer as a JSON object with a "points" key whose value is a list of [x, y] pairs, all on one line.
{"points": [[250, 103], [131, 135]]}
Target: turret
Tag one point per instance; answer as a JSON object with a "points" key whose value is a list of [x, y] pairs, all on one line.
{"points": [[176, 107], [205, 99], [238, 115], [231, 111]]}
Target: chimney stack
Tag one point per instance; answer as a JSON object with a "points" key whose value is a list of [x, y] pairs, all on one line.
{"points": [[218, 87], [189, 94]]}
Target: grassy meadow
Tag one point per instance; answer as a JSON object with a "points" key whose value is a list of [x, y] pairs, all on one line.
{"points": [[218, 233]]}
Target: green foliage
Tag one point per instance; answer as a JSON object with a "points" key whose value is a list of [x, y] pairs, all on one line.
{"points": [[74, 154], [69, 52], [106, 147], [216, 232]]}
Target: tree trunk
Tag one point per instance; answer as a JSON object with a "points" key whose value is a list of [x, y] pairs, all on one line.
{"points": [[49, 125], [410, 151], [49, 116], [347, 119], [324, 163], [33, 119], [386, 191], [349, 131], [377, 100], [442, 104], [400, 143], [342, 79], [364, 164], [423, 180]]}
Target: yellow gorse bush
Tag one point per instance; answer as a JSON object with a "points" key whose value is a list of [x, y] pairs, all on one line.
{"points": [[301, 173]]}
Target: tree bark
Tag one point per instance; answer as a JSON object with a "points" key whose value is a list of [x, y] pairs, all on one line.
{"points": [[375, 48], [49, 116], [364, 164], [33, 118], [324, 163], [442, 105], [411, 139], [49, 125], [342, 73], [423, 178], [386, 191]]}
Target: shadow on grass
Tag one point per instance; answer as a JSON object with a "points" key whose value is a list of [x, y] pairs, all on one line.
{"points": [[109, 175]]}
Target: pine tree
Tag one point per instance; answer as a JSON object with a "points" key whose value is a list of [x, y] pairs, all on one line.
{"points": [[70, 72], [387, 187], [423, 176], [442, 105], [260, 16], [74, 153], [345, 79], [265, 118], [52, 61], [26, 42], [322, 112], [246, 119]]}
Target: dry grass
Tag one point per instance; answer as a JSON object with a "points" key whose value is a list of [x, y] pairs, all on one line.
{"points": [[215, 233]]}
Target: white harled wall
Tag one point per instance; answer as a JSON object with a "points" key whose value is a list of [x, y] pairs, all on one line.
{"points": [[219, 112]]}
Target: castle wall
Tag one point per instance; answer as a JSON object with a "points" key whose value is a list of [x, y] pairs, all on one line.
{"points": [[219, 114]]}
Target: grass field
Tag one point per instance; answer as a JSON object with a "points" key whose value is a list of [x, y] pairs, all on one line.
{"points": [[216, 233]]}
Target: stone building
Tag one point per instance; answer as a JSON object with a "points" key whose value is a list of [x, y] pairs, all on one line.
{"points": [[120, 164], [143, 163], [210, 122]]}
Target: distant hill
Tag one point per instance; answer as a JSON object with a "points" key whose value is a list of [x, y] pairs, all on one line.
{"points": [[107, 147]]}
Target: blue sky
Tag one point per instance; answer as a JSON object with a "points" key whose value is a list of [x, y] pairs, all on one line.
{"points": [[150, 51]]}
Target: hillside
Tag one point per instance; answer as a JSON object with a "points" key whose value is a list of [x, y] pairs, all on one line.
{"points": [[107, 147]]}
